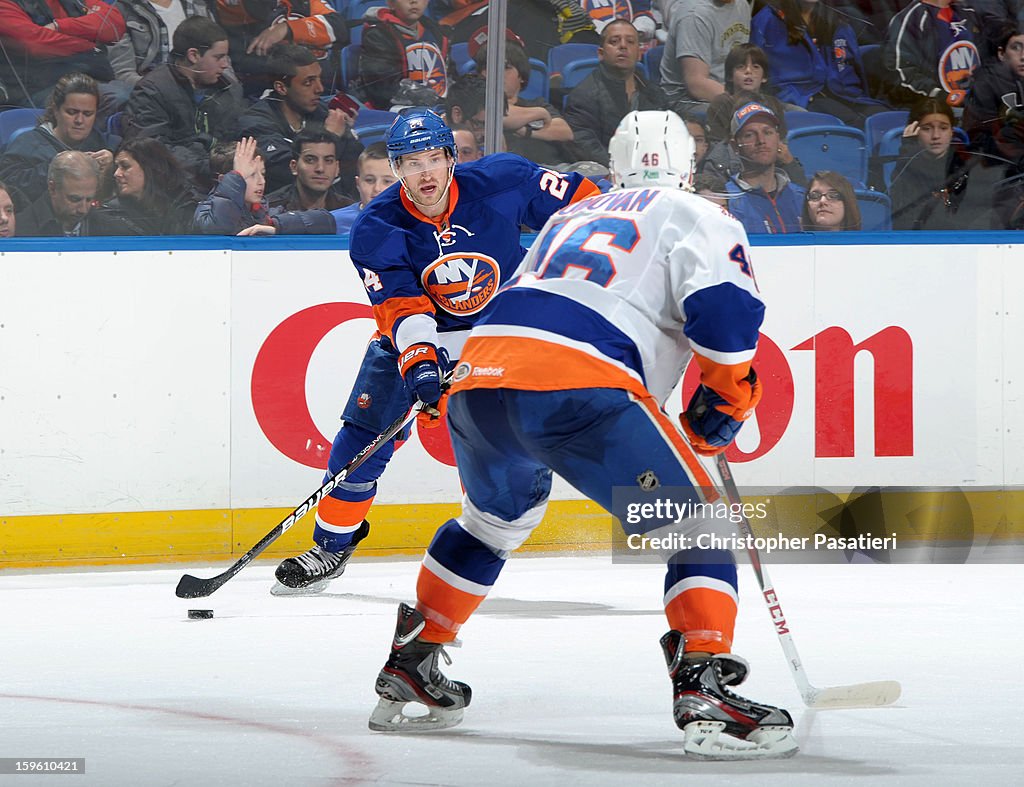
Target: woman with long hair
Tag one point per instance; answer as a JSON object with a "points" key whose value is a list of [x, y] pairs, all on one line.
{"points": [[830, 204], [69, 123], [815, 59], [153, 197]]}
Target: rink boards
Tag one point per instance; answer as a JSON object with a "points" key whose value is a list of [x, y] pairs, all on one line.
{"points": [[174, 403]]}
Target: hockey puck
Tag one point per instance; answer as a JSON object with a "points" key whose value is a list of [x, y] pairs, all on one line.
{"points": [[200, 614]]}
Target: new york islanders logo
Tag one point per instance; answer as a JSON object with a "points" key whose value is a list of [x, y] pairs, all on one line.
{"points": [[462, 284], [957, 65]]}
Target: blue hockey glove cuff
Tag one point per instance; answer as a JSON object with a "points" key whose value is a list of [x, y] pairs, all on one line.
{"points": [[709, 421]]}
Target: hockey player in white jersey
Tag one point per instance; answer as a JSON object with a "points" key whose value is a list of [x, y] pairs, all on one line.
{"points": [[569, 373]]}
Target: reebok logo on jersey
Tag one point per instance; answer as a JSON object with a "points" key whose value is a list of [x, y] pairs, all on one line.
{"points": [[462, 284], [488, 371]]}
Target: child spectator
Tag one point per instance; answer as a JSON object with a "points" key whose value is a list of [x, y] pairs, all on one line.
{"points": [[7, 213], [63, 209], [762, 196], [931, 50], [42, 40], [595, 106], [153, 196], [699, 134], [69, 123], [400, 43], [236, 205], [189, 103], [147, 42], [994, 111], [374, 176], [815, 59], [533, 127], [746, 71], [465, 106], [830, 204], [314, 168], [292, 104]]}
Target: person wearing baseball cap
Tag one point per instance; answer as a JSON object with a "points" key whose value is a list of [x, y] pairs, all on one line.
{"points": [[765, 200]]}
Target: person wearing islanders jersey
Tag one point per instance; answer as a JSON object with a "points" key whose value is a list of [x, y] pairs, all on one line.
{"points": [[568, 372], [432, 252]]}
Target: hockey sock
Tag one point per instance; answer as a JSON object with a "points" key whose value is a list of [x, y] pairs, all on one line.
{"points": [[701, 598], [457, 573]]}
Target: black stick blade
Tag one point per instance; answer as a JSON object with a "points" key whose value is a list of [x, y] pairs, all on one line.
{"points": [[194, 587]]}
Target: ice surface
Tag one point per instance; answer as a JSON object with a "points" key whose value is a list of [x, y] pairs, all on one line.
{"points": [[569, 685]]}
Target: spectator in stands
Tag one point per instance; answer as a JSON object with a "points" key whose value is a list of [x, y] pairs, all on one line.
{"points": [[153, 195], [830, 204], [67, 124], [189, 103], [595, 106], [699, 134], [465, 142], [314, 168], [254, 27], [815, 59], [374, 176], [8, 224], [700, 36], [638, 12], [711, 187], [44, 39], [400, 43], [938, 185], [931, 50], [465, 106], [236, 205], [762, 196], [63, 210], [994, 112], [147, 42], [293, 104], [533, 127], [746, 72], [727, 159]]}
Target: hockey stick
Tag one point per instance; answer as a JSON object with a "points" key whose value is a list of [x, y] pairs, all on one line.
{"points": [[858, 695], [195, 587]]}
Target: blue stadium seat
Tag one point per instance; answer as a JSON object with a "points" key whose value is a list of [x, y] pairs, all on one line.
{"points": [[892, 141], [350, 65], [575, 72], [563, 54], [652, 62], [876, 126], [460, 57], [537, 87], [12, 120], [838, 148], [875, 210], [797, 119], [356, 8]]}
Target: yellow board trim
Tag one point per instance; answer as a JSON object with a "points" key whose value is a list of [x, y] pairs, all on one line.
{"points": [[570, 525]]}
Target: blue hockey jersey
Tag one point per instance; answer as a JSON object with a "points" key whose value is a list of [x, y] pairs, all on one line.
{"points": [[430, 279]]}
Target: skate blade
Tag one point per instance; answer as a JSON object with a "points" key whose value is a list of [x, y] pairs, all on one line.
{"points": [[705, 740], [388, 716], [309, 590]]}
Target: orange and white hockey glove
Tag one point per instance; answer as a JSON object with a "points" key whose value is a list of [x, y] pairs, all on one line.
{"points": [[711, 423]]}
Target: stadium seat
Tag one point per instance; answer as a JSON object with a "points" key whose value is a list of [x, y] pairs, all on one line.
{"points": [[876, 126], [12, 120], [875, 210], [837, 148], [356, 8], [350, 65], [797, 119], [889, 149], [460, 57], [575, 72], [652, 62], [537, 87], [563, 54]]}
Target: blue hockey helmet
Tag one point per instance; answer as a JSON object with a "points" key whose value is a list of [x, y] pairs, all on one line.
{"points": [[417, 129]]}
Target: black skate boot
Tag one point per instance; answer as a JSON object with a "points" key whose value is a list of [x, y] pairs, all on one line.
{"points": [[718, 724], [310, 572], [411, 675]]}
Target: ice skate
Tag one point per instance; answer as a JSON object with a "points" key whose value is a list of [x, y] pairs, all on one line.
{"points": [[411, 675], [717, 724], [309, 573]]}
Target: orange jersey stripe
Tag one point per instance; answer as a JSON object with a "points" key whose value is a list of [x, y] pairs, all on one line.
{"points": [[587, 188], [390, 311], [695, 470], [727, 380], [450, 603], [703, 609], [342, 513]]}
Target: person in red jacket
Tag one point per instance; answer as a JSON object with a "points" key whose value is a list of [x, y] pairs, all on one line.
{"points": [[44, 39]]}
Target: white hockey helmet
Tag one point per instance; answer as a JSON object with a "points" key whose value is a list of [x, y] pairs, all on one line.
{"points": [[652, 148]]}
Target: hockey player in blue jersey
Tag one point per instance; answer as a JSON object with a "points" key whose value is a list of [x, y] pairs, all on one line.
{"points": [[432, 252], [568, 372]]}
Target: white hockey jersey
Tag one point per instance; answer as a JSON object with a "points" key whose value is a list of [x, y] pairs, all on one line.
{"points": [[617, 292]]}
